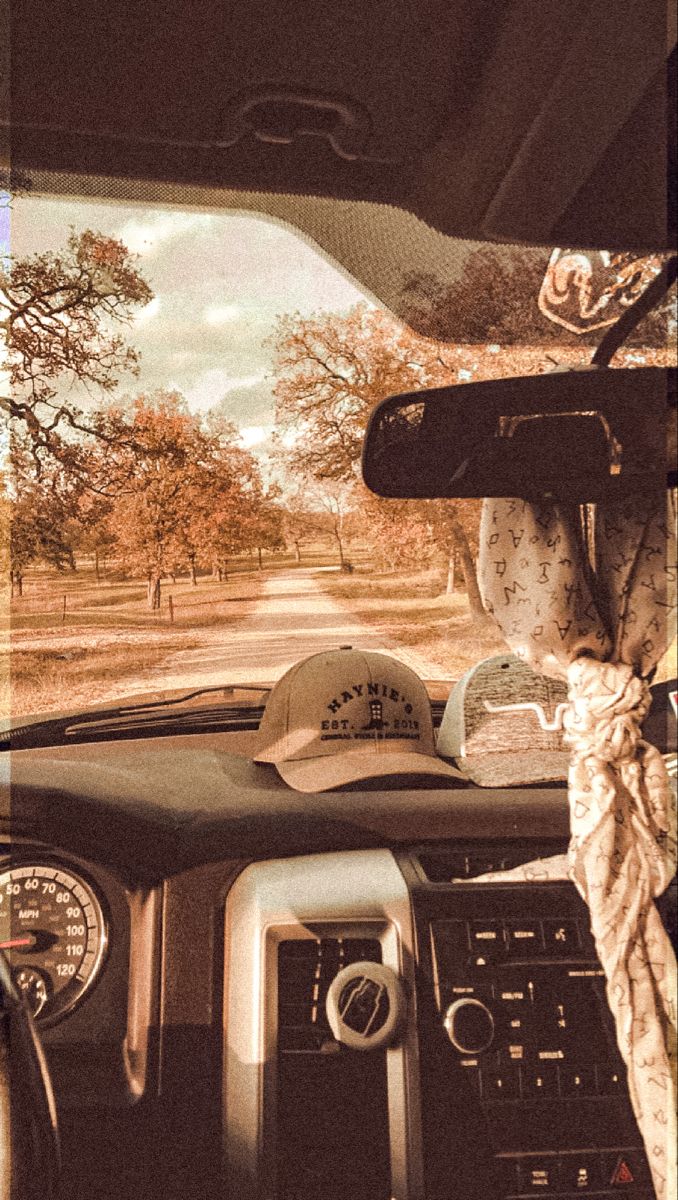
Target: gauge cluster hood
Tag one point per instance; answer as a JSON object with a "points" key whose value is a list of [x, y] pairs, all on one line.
{"points": [[540, 123]]}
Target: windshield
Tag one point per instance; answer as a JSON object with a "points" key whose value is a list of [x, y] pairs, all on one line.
{"points": [[188, 392]]}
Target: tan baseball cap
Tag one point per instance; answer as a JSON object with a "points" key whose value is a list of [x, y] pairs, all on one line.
{"points": [[343, 716]]}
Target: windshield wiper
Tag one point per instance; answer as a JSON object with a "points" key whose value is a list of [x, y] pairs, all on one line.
{"points": [[155, 718], [224, 689]]}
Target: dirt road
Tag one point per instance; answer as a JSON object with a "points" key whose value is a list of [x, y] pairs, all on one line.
{"points": [[293, 618]]}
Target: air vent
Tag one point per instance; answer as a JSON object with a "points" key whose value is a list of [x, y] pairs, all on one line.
{"points": [[306, 969], [467, 862], [332, 1102]]}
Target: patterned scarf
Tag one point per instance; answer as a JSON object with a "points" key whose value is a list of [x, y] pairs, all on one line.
{"points": [[605, 629]]}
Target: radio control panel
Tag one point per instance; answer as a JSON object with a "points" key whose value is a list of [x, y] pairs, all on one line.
{"points": [[518, 1051]]}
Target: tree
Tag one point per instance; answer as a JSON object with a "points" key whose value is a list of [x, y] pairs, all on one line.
{"points": [[62, 316], [264, 525], [146, 517], [495, 299], [301, 524], [187, 491], [39, 521], [408, 533], [220, 508], [331, 505], [93, 534], [330, 372]]}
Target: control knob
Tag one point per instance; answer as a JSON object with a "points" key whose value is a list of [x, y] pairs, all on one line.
{"points": [[469, 1025]]}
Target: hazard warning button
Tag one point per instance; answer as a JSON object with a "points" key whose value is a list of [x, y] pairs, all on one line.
{"points": [[626, 1169]]}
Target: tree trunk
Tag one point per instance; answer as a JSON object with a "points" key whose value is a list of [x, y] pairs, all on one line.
{"points": [[97, 570], [340, 547], [260, 565], [223, 570], [475, 600], [194, 577], [297, 553], [154, 591], [17, 583], [451, 585]]}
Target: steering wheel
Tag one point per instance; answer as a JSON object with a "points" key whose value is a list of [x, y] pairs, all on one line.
{"points": [[29, 1139]]}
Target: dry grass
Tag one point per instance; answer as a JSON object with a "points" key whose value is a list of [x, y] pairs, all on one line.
{"points": [[52, 659], [51, 680], [412, 609]]}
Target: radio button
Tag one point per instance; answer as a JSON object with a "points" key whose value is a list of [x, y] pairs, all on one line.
{"points": [[472, 1074], [578, 1081], [561, 939], [500, 1083], [580, 1173], [539, 1175], [487, 941], [514, 1052], [611, 1079], [540, 1082], [525, 939]]}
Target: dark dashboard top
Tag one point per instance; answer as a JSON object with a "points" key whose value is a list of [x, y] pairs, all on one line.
{"points": [[152, 808]]}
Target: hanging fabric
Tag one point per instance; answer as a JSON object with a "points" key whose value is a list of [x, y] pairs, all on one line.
{"points": [[597, 606]]}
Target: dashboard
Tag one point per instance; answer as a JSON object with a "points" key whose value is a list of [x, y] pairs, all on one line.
{"points": [[248, 993]]}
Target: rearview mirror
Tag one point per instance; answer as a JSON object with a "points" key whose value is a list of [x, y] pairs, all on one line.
{"points": [[579, 436]]}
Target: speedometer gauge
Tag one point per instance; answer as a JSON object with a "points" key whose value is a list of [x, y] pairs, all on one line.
{"points": [[53, 931]]}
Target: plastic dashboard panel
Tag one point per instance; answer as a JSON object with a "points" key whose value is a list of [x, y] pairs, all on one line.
{"points": [[334, 895], [441, 1139]]}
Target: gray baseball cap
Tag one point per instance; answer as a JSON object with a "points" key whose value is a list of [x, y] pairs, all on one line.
{"points": [[503, 724]]}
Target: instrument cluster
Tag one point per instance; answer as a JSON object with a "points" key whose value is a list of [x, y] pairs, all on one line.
{"points": [[54, 931]]}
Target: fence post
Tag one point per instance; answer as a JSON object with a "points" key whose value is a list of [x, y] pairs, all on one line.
{"points": [[171, 609], [63, 615]]}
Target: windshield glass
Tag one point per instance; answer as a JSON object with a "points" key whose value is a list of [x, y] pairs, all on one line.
{"points": [[189, 390]]}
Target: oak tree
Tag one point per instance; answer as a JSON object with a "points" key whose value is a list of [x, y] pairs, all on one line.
{"points": [[331, 371], [188, 493], [64, 316]]}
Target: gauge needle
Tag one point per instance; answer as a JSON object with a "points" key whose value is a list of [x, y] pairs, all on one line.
{"points": [[12, 943]]}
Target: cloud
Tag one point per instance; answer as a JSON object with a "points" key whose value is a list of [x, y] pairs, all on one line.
{"points": [[239, 398], [148, 234], [220, 281], [222, 314], [255, 435], [148, 312], [248, 401]]}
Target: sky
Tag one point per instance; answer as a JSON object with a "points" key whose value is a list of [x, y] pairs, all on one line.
{"points": [[220, 281]]}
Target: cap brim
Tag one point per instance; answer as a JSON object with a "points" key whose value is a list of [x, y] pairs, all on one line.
{"points": [[512, 769], [328, 771]]}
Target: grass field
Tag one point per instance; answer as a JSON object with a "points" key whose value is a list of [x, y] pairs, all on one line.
{"points": [[70, 639], [412, 609]]}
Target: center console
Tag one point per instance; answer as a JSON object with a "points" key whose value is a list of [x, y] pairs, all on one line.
{"points": [[394, 1030], [513, 1017]]}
